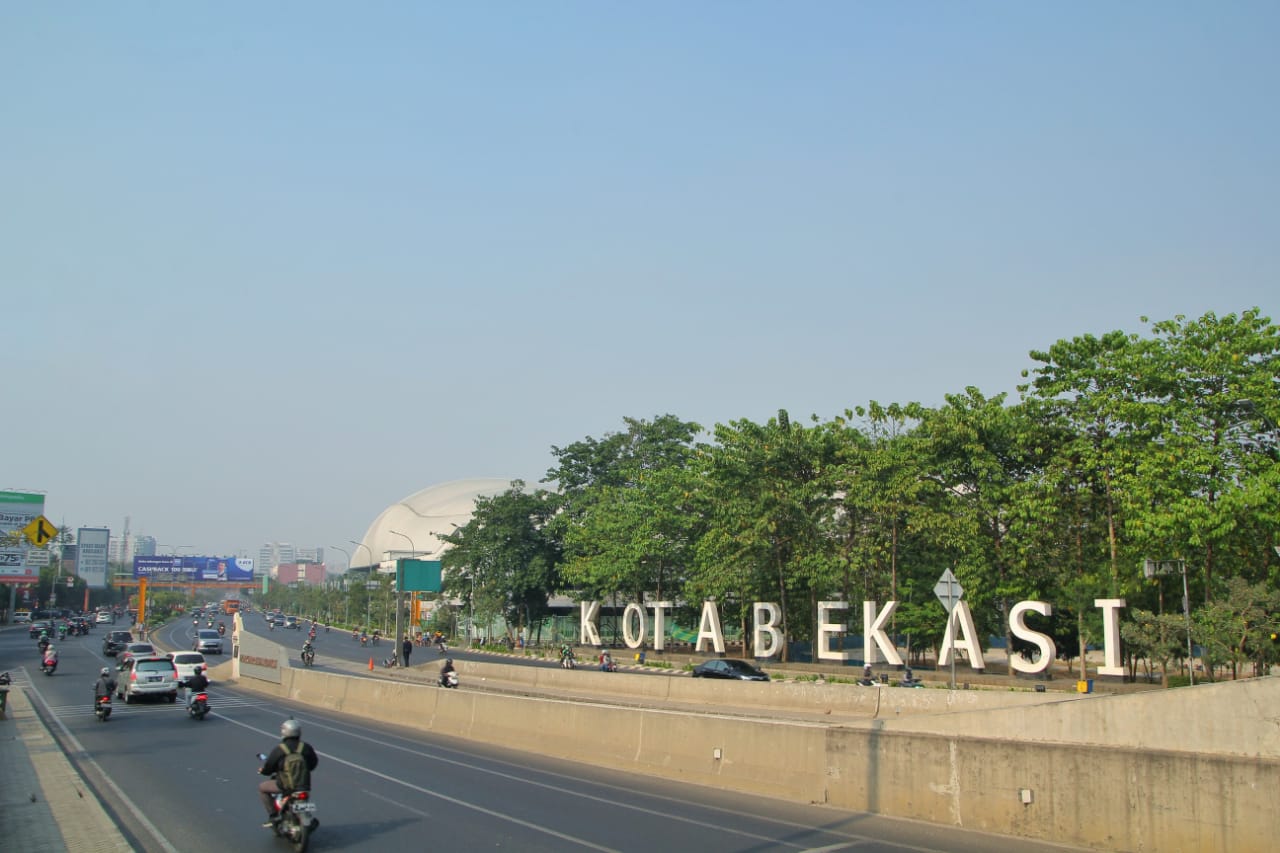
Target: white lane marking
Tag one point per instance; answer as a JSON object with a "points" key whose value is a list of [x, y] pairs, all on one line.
{"points": [[582, 842], [111, 783], [610, 801], [852, 838]]}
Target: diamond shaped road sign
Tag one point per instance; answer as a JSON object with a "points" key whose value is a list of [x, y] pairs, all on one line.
{"points": [[948, 590]]}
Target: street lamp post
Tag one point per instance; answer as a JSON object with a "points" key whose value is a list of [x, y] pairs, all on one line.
{"points": [[346, 608], [413, 550], [364, 546]]}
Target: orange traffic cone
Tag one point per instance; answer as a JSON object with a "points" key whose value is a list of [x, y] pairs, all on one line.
{"points": [[371, 664]]}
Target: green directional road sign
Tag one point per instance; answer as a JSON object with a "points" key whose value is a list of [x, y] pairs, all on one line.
{"points": [[418, 575]]}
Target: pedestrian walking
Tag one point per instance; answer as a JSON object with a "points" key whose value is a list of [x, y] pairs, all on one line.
{"points": [[407, 648]]}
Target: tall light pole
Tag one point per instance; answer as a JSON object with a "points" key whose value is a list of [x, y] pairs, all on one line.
{"points": [[346, 610], [413, 550], [471, 623], [364, 546]]}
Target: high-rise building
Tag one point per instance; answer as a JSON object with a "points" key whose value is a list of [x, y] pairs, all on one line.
{"points": [[310, 555], [275, 554], [144, 546]]}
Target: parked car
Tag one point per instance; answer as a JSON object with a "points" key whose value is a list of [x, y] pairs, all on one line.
{"points": [[208, 640], [21, 616], [115, 642], [147, 676], [739, 670], [187, 663]]}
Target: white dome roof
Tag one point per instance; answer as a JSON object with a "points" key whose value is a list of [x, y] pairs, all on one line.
{"points": [[423, 517]]}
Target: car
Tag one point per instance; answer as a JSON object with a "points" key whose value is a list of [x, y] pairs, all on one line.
{"points": [[739, 670], [292, 622], [147, 675], [115, 642], [37, 627], [208, 640], [81, 622], [103, 618], [22, 616], [187, 663], [137, 650]]}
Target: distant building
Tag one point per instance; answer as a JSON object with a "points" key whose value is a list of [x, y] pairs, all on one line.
{"points": [[121, 550], [310, 555], [311, 574], [275, 554]]}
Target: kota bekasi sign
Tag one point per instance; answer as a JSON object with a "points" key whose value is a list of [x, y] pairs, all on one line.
{"points": [[766, 634]]}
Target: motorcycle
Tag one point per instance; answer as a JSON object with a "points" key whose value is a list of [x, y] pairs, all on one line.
{"points": [[199, 706], [43, 644], [49, 666], [294, 817], [607, 664], [364, 641], [449, 679], [102, 707], [568, 662], [308, 657]]}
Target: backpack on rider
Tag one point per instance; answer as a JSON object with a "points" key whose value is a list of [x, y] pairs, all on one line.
{"points": [[293, 775]]}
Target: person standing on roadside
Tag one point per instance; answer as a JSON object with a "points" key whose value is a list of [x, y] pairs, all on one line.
{"points": [[406, 648]]}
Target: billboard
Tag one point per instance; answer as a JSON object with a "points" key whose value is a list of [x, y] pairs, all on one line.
{"points": [[229, 569], [91, 556], [17, 510]]}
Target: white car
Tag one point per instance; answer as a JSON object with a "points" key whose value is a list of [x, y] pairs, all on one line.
{"points": [[103, 618], [187, 663], [22, 616]]}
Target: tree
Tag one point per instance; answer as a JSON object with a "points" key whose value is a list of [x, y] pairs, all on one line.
{"points": [[504, 560], [627, 521]]}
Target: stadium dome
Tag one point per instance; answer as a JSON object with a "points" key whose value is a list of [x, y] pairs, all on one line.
{"points": [[423, 517]]}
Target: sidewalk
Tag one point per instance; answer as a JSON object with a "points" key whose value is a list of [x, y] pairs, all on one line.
{"points": [[45, 805]]}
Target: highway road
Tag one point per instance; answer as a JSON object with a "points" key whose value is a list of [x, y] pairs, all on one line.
{"points": [[176, 784]]}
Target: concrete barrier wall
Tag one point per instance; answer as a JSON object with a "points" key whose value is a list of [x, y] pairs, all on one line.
{"points": [[1235, 717], [1116, 799], [1086, 794], [809, 696]]}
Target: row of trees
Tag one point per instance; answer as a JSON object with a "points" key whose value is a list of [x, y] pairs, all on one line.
{"points": [[1120, 448]]}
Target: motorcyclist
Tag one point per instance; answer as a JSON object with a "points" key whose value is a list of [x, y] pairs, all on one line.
{"points": [[105, 686], [50, 655], [606, 661], [43, 642], [308, 651], [566, 653], [197, 683], [446, 669], [222, 629], [291, 737]]}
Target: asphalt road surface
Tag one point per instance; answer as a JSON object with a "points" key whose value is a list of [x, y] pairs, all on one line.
{"points": [[177, 784]]}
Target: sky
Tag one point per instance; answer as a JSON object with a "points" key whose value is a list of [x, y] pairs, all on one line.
{"points": [[267, 269]]}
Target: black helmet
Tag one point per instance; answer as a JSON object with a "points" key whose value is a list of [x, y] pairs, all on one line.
{"points": [[449, 661], [290, 728]]}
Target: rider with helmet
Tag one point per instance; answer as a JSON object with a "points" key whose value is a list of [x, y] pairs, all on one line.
{"points": [[105, 686], [197, 683], [290, 740]]}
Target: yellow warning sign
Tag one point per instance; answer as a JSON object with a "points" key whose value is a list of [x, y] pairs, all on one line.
{"points": [[40, 531]]}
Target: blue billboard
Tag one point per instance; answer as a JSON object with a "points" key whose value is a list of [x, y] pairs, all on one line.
{"points": [[229, 569]]}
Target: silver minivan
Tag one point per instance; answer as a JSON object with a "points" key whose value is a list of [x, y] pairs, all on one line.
{"points": [[148, 676], [208, 641]]}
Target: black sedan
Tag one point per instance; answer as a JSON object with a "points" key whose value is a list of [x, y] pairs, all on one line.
{"points": [[739, 670], [37, 627]]}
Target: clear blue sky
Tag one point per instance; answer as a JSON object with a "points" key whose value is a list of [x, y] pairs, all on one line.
{"points": [[267, 268]]}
